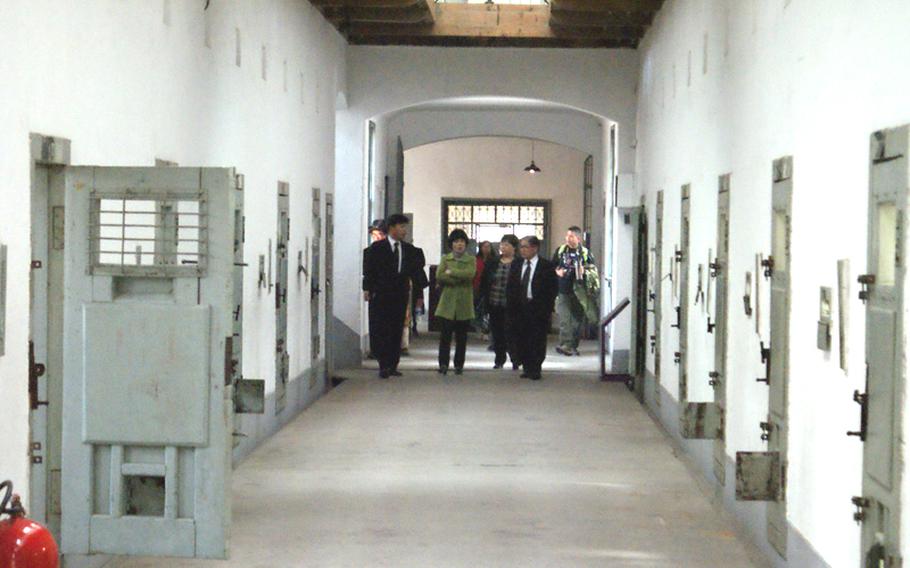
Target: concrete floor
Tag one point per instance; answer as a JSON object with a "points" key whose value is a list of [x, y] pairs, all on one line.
{"points": [[424, 354], [484, 469]]}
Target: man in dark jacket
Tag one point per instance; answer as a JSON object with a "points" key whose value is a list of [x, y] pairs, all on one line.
{"points": [[531, 292], [572, 260], [377, 231], [389, 266]]}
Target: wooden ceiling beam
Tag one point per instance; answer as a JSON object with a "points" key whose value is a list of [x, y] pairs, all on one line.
{"points": [[463, 41], [412, 15], [372, 3], [400, 22], [614, 6], [597, 19]]}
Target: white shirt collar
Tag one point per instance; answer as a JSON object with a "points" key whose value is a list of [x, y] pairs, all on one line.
{"points": [[391, 241]]}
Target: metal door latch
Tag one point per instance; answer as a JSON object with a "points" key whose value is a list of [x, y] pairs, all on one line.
{"points": [[862, 399], [768, 264], [677, 357], [711, 325], [765, 431], [766, 359], [678, 317], [35, 371], [653, 342], [865, 281], [861, 504], [714, 378]]}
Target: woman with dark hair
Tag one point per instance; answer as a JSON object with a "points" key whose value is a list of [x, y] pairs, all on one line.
{"points": [[455, 275], [485, 254], [495, 280]]}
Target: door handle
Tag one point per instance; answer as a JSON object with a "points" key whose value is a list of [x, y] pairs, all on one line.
{"points": [[35, 370], [862, 399], [678, 317], [766, 359]]}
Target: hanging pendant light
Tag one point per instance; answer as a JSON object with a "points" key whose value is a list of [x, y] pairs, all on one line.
{"points": [[533, 169]]}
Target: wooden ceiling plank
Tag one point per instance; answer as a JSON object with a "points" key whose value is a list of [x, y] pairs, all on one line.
{"points": [[368, 3], [598, 19], [414, 15], [615, 6]]}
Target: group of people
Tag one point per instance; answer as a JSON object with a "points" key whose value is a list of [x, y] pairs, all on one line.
{"points": [[517, 289]]}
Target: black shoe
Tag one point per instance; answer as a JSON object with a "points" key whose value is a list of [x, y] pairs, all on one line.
{"points": [[395, 373], [563, 351], [442, 370], [535, 377], [384, 374], [459, 371], [497, 366], [525, 375]]}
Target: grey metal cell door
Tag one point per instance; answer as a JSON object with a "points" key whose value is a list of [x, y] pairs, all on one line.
{"points": [[329, 277], [639, 301], [148, 322], [720, 271], [316, 283], [885, 346], [778, 377], [657, 283], [682, 310], [282, 360]]}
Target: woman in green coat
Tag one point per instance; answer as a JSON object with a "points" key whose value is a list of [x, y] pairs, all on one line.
{"points": [[455, 275]]}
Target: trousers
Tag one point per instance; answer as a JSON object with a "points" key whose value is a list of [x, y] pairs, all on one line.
{"points": [[460, 329]]}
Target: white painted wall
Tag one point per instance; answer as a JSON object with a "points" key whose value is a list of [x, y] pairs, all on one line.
{"points": [[490, 168], [808, 78], [382, 80], [129, 81]]}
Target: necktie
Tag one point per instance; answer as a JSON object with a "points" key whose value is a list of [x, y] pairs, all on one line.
{"points": [[398, 257], [525, 280]]}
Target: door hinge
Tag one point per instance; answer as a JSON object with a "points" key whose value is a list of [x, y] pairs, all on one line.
{"points": [[865, 281], [861, 504], [768, 264], [34, 452], [715, 268], [714, 378], [765, 431]]}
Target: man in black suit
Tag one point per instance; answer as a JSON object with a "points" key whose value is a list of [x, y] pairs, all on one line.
{"points": [[389, 266], [531, 292], [377, 231]]}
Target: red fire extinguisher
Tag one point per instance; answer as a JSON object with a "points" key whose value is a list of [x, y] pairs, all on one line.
{"points": [[23, 542]]}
